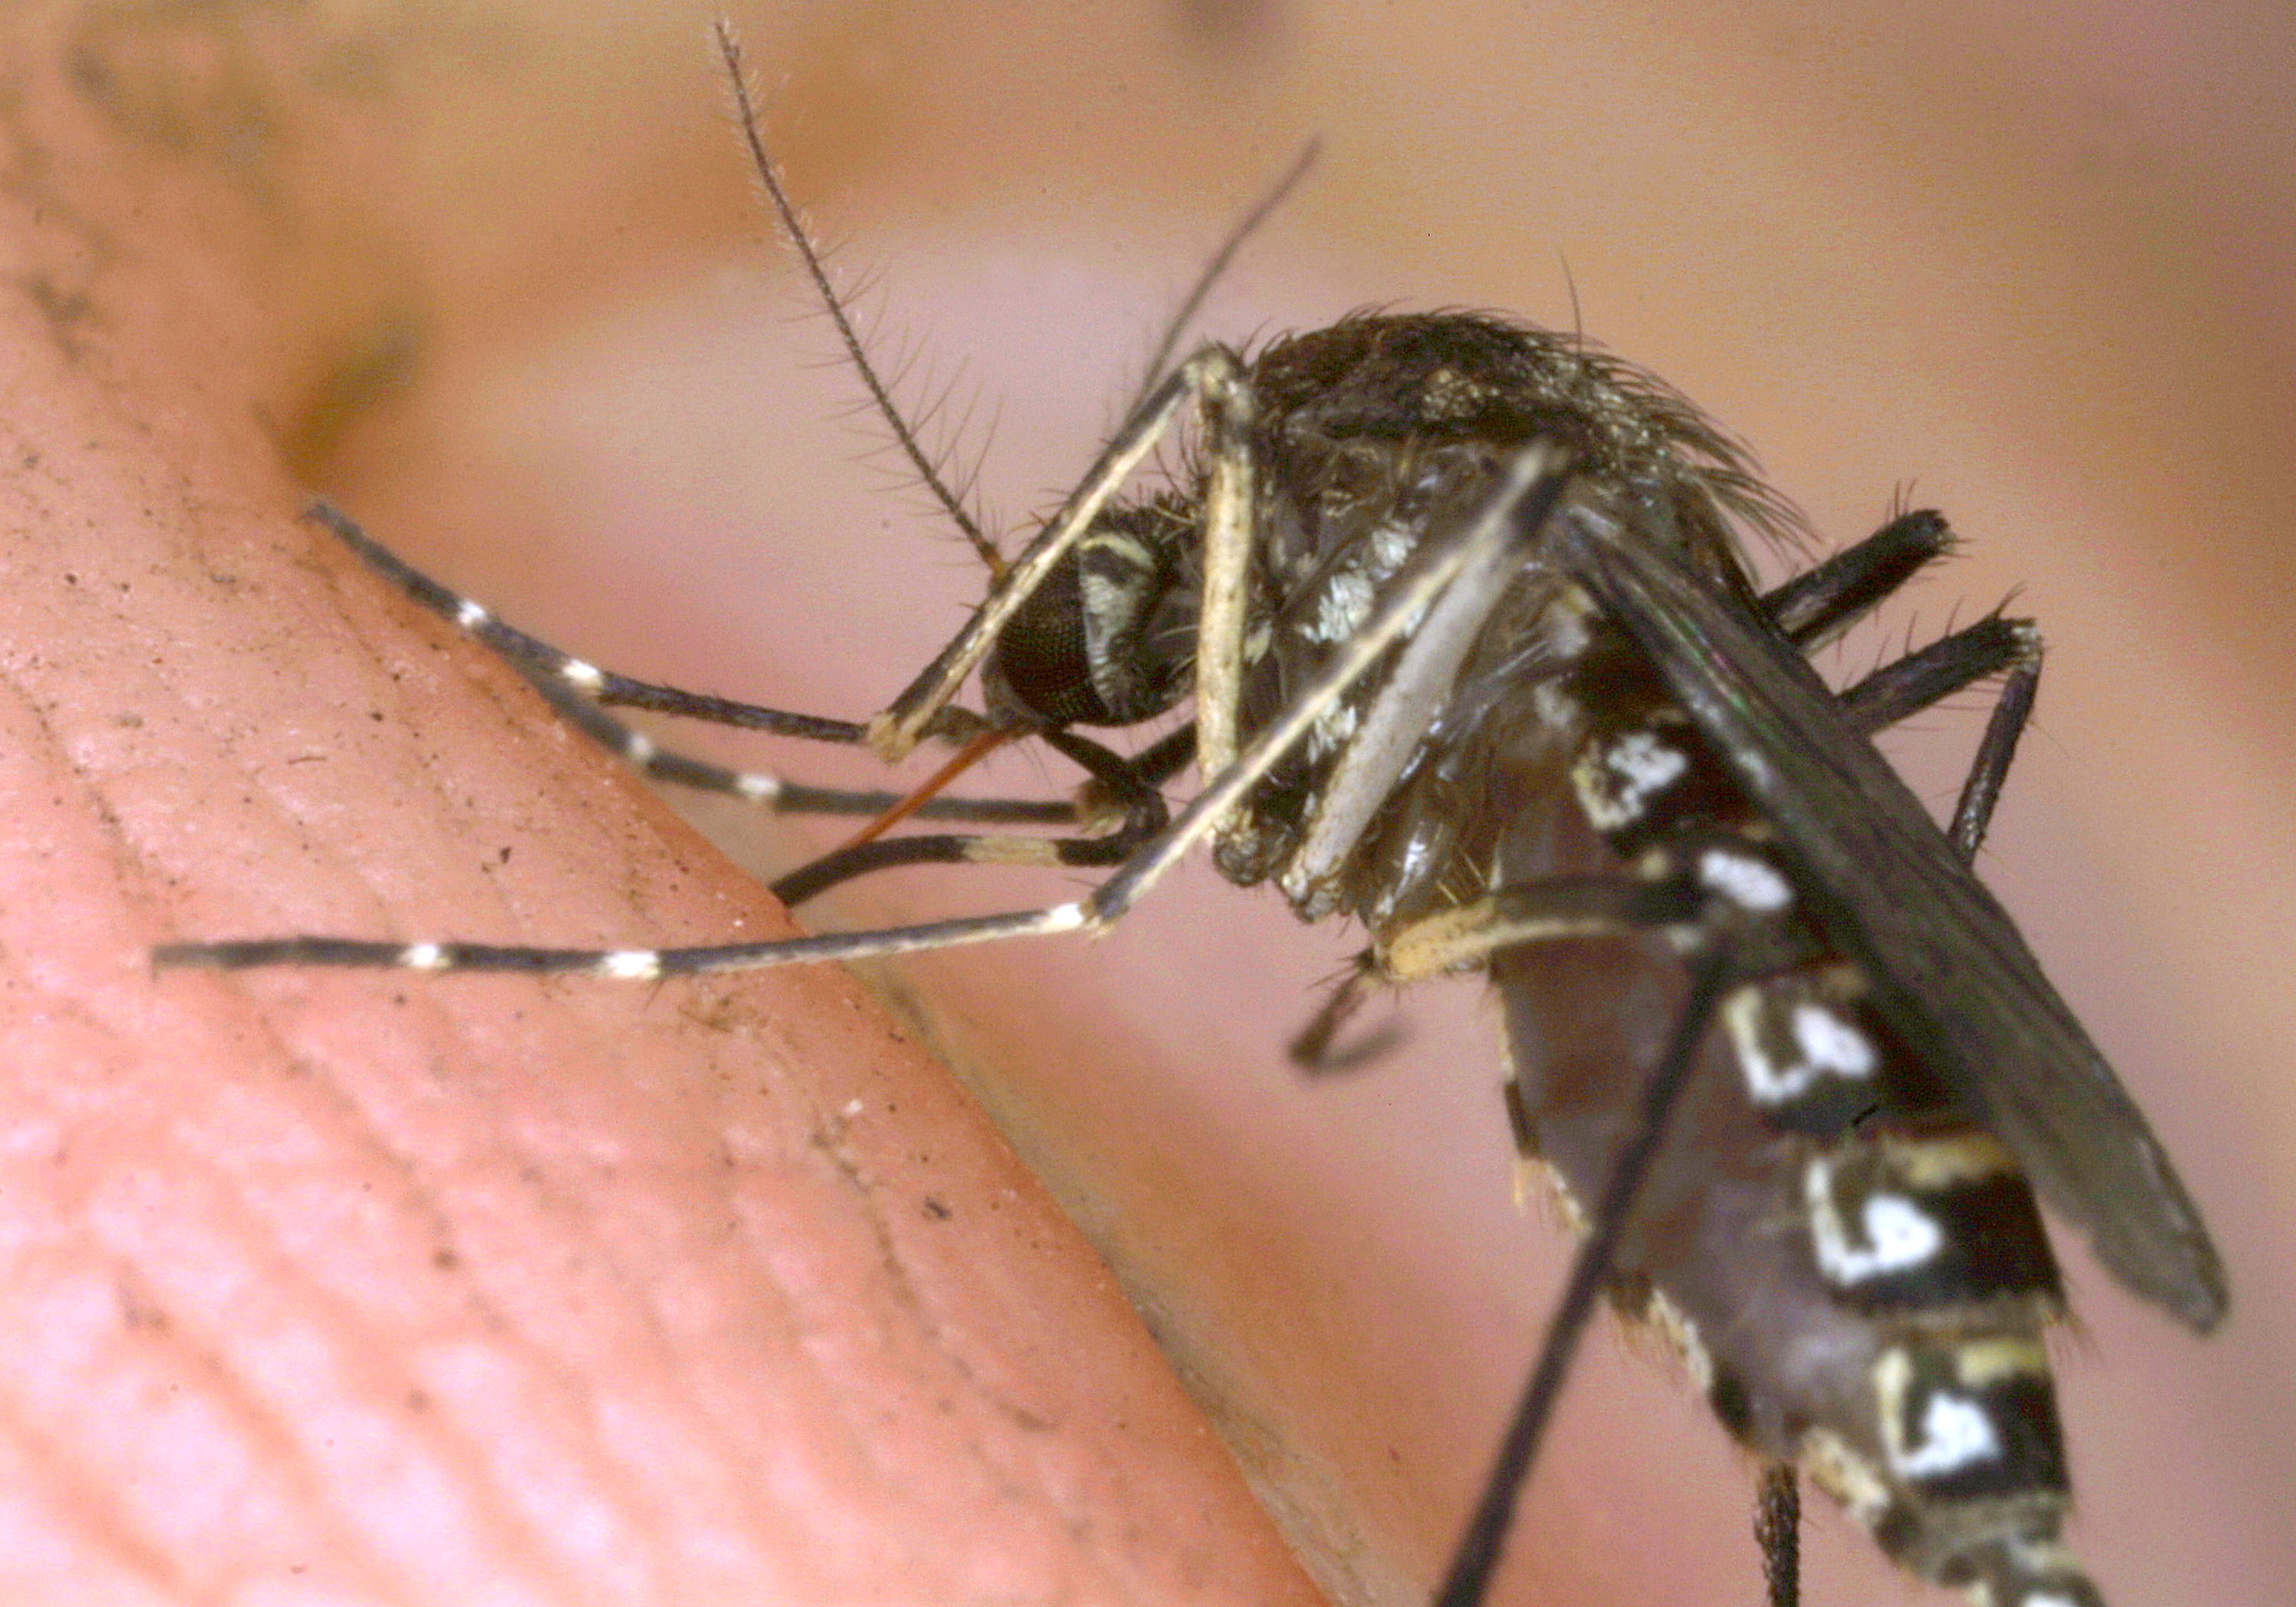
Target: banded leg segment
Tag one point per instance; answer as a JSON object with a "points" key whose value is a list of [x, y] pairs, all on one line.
{"points": [[1516, 511], [775, 792], [573, 686], [540, 658]]}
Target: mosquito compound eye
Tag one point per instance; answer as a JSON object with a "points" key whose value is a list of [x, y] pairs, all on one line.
{"points": [[1041, 670], [1097, 642]]}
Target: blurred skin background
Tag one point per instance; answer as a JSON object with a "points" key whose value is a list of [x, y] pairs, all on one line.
{"points": [[2038, 268]]}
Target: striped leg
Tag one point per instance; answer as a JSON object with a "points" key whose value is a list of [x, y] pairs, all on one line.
{"points": [[538, 659], [577, 688], [1517, 512]]}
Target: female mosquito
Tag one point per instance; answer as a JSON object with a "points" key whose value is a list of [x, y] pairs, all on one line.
{"points": [[1463, 612]]}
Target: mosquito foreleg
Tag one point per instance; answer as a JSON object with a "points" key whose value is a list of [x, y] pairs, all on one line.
{"points": [[776, 793], [540, 660], [1517, 510]]}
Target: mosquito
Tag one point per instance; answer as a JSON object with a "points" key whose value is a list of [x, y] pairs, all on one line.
{"points": [[1462, 613]]}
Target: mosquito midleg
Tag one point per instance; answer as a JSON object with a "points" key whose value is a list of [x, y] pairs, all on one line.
{"points": [[771, 792], [1145, 814], [1556, 907], [536, 656], [1594, 906], [904, 721], [1818, 604], [1470, 1576]]}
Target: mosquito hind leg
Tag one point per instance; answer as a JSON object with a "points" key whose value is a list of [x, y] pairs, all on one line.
{"points": [[2008, 648], [1997, 751], [1468, 1580], [1777, 1530], [1818, 604]]}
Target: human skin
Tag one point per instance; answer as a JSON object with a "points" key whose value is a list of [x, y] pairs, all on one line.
{"points": [[350, 1290], [2032, 277]]}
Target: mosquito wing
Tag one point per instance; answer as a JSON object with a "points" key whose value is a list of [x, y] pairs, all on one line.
{"points": [[1946, 965]]}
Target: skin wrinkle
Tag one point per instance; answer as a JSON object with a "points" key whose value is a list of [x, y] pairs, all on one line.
{"points": [[266, 1419], [829, 1141]]}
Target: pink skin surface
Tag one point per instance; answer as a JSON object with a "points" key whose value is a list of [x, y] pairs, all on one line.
{"points": [[359, 1289], [2038, 266]]}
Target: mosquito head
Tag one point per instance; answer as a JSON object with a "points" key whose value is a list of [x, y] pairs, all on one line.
{"points": [[1108, 637]]}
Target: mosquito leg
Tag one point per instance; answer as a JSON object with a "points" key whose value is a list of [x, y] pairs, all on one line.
{"points": [[1312, 1052], [540, 660], [2010, 648], [1518, 511], [775, 792], [1536, 912], [1213, 374], [1777, 1530], [1228, 572], [1470, 1576], [1818, 604], [1923, 678], [570, 685], [1116, 779], [1997, 751]]}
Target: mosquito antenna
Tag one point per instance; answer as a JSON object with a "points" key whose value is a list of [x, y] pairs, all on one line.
{"points": [[794, 231], [1244, 231]]}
